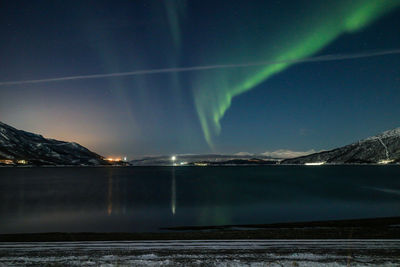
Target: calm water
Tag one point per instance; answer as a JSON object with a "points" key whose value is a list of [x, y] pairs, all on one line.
{"points": [[146, 198]]}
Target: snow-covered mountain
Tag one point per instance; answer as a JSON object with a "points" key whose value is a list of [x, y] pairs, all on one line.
{"points": [[17, 146], [209, 159], [382, 148]]}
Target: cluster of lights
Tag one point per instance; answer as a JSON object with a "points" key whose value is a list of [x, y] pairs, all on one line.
{"points": [[113, 159], [10, 162], [117, 159], [174, 158], [315, 163], [385, 161], [6, 161]]}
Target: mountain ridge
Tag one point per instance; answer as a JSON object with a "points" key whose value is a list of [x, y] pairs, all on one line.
{"points": [[22, 147], [382, 148]]}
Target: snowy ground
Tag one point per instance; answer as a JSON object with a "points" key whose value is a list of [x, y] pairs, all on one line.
{"points": [[203, 253]]}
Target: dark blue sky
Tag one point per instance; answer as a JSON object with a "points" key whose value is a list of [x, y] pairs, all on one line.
{"points": [[301, 106]]}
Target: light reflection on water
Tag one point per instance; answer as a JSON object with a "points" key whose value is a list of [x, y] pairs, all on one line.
{"points": [[134, 199], [110, 182], [173, 192]]}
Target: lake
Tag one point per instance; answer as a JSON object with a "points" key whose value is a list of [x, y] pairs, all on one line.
{"points": [[142, 199]]}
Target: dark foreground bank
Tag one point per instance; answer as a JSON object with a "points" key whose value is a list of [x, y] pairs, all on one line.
{"points": [[350, 252], [376, 228]]}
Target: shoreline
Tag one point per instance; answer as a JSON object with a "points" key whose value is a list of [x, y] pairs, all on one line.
{"points": [[211, 165], [203, 253], [373, 228]]}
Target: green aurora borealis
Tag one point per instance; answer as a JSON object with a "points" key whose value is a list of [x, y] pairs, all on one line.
{"points": [[162, 77], [214, 90]]}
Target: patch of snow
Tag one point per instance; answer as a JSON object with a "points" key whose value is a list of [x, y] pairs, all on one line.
{"points": [[149, 256], [4, 135], [286, 154], [385, 147], [243, 154], [205, 260], [386, 134], [74, 144], [55, 154]]}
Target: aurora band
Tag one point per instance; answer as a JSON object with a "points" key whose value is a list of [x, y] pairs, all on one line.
{"points": [[213, 90]]}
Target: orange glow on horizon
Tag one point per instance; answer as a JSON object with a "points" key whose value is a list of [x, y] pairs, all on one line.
{"points": [[113, 159]]}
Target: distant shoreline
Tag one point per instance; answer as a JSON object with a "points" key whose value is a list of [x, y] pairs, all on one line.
{"points": [[372, 228]]}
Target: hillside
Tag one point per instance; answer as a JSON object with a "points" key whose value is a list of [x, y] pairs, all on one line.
{"points": [[382, 148], [20, 147]]}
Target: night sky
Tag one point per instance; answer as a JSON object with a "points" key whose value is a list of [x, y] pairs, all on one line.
{"points": [[297, 106]]}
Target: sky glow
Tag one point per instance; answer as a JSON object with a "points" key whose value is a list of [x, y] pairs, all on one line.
{"points": [[135, 78]]}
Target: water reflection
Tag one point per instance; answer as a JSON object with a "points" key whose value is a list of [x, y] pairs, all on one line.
{"points": [[21, 201], [173, 192], [145, 199], [110, 191]]}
